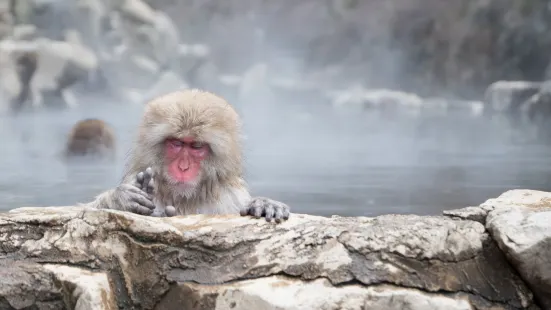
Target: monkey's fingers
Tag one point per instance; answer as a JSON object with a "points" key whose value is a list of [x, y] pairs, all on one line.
{"points": [[286, 212], [170, 211], [269, 211], [164, 212], [139, 179], [131, 189], [137, 208], [244, 211], [256, 207], [143, 201], [281, 213], [147, 177], [259, 212], [150, 188]]}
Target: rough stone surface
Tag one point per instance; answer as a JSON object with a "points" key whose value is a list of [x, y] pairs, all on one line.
{"points": [[277, 292], [477, 213], [220, 262], [520, 222], [27, 285]]}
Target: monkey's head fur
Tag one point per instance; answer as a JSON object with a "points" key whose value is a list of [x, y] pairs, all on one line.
{"points": [[90, 137], [202, 115]]}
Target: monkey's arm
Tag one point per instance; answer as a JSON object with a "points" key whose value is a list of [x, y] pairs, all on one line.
{"points": [[129, 197], [267, 208], [125, 197], [102, 201]]}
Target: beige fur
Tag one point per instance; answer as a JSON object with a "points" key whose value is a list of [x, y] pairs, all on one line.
{"points": [[219, 187], [91, 137], [209, 119]]}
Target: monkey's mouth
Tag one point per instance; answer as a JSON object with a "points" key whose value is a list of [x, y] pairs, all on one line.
{"points": [[182, 184]]}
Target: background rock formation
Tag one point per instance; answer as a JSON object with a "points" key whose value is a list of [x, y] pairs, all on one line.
{"points": [[422, 46]]}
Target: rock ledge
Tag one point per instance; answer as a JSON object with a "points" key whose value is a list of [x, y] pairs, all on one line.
{"points": [[74, 258]]}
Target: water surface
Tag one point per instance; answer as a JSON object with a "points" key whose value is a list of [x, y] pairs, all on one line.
{"points": [[317, 161]]}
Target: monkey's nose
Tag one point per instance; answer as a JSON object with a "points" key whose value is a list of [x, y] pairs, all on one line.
{"points": [[183, 165]]}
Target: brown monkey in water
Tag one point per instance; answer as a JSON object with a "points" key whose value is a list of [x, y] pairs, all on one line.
{"points": [[90, 137], [187, 160]]}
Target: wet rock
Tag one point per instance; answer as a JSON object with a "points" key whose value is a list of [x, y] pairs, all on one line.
{"points": [[61, 64], [359, 97], [508, 96], [477, 214], [147, 31], [24, 32], [537, 108], [136, 10], [445, 106], [28, 286], [216, 262], [520, 222]]}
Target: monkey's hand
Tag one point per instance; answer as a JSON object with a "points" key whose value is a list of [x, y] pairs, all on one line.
{"points": [[135, 197], [267, 208], [144, 181], [127, 197], [164, 211]]}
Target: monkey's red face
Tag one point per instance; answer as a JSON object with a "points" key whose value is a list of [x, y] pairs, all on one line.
{"points": [[184, 158]]}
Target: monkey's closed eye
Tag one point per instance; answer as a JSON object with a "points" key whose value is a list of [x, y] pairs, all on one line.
{"points": [[176, 142], [197, 145]]}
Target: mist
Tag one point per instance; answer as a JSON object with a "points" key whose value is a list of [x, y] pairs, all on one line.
{"points": [[299, 146]]}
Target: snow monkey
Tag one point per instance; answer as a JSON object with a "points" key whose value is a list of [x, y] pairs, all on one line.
{"points": [[187, 160], [90, 137]]}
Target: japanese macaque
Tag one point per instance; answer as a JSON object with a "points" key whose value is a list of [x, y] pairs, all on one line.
{"points": [[187, 160], [90, 137]]}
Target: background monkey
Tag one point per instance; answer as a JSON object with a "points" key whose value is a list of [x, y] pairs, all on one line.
{"points": [[187, 160], [90, 137]]}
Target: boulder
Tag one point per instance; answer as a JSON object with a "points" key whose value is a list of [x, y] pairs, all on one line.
{"points": [[520, 222], [538, 107], [105, 259], [386, 99], [59, 66], [509, 96], [445, 106]]}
